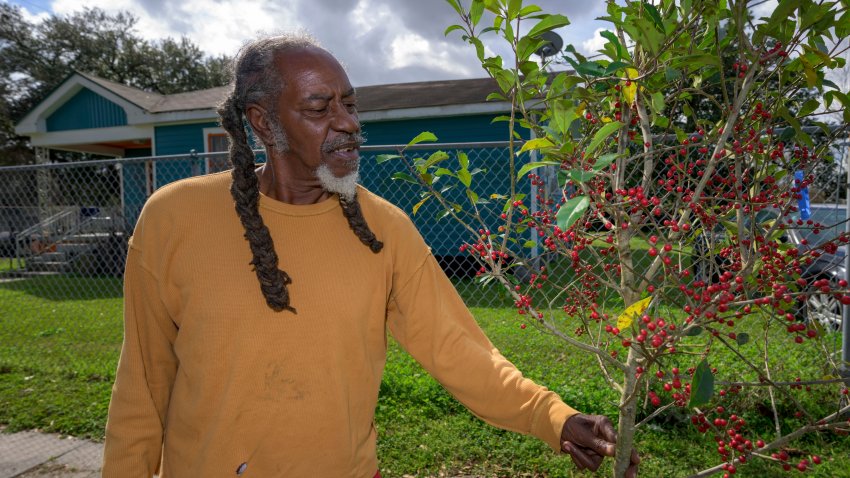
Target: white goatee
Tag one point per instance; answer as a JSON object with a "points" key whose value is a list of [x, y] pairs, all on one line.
{"points": [[345, 186]]}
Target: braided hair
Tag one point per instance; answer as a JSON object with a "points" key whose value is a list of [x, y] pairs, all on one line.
{"points": [[256, 81]]}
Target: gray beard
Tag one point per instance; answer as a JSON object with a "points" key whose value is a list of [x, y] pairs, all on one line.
{"points": [[345, 186]]}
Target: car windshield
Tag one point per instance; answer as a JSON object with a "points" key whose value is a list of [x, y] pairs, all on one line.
{"points": [[832, 220]]}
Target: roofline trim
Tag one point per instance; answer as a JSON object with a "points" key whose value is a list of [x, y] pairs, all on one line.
{"points": [[91, 135]]}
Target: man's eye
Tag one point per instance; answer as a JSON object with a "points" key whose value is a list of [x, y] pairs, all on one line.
{"points": [[351, 107]]}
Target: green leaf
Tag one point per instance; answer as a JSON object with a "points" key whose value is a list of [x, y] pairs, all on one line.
{"points": [[529, 244], [536, 143], [476, 10], [702, 385], [783, 11], [742, 338], [405, 177], [571, 211], [531, 166], [463, 159], [580, 176], [614, 66], [550, 22], [808, 107], [456, 5], [385, 157], [473, 197], [658, 102], [694, 331], [672, 74], [492, 5], [436, 157], [622, 53], [514, 7], [423, 136], [563, 115], [464, 177], [590, 68], [654, 15], [528, 10], [452, 28], [602, 135], [604, 161]]}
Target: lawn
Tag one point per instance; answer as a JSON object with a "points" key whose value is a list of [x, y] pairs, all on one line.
{"points": [[10, 264], [59, 351]]}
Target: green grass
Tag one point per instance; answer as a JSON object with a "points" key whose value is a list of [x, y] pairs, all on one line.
{"points": [[10, 264], [59, 352]]}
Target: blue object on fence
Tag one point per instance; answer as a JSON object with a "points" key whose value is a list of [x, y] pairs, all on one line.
{"points": [[803, 202]]}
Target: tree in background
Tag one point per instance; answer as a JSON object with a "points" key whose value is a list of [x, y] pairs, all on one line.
{"points": [[35, 58], [664, 184]]}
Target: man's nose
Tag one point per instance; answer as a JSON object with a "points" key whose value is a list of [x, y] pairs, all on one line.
{"points": [[345, 120]]}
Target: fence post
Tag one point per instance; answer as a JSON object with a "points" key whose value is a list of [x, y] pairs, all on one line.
{"points": [[43, 183]]}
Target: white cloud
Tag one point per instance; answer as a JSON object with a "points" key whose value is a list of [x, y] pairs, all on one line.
{"points": [[216, 27], [411, 49], [379, 41], [34, 17], [592, 45], [764, 9]]}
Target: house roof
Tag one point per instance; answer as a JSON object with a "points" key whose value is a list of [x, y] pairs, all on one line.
{"points": [[369, 98], [143, 99]]}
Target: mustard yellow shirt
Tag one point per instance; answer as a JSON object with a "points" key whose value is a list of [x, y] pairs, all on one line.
{"points": [[211, 382]]}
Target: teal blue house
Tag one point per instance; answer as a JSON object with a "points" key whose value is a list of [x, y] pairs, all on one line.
{"points": [[89, 114]]}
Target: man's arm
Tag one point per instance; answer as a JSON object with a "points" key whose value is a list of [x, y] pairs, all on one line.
{"points": [[146, 371], [432, 323]]}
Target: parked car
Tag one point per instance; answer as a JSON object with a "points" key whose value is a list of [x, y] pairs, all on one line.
{"points": [[820, 307]]}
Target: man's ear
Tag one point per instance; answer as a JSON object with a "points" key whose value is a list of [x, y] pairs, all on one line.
{"points": [[258, 119]]}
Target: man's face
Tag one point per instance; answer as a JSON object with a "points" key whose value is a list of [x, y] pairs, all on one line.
{"points": [[317, 111]]}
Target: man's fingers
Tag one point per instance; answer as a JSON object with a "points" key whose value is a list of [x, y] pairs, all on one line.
{"points": [[605, 428], [582, 457], [603, 447], [631, 471], [635, 457]]}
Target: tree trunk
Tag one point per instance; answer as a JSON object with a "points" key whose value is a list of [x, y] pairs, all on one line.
{"points": [[628, 411]]}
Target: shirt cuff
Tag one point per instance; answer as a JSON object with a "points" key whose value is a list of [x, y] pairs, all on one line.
{"points": [[550, 420]]}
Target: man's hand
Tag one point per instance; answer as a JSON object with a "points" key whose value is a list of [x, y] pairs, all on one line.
{"points": [[589, 438]]}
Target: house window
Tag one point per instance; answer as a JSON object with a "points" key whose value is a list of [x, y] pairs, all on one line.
{"points": [[217, 145]]}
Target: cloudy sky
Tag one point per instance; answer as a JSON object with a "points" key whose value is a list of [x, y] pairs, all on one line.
{"points": [[379, 41]]}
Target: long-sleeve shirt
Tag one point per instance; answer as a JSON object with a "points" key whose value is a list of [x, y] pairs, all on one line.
{"points": [[212, 382]]}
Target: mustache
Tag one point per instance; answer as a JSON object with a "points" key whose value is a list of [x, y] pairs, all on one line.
{"points": [[353, 140]]}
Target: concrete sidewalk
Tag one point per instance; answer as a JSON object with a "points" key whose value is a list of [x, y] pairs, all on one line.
{"points": [[39, 455]]}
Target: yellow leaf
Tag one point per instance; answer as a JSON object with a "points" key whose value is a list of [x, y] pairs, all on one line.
{"points": [[630, 90], [632, 312], [580, 108], [606, 119]]}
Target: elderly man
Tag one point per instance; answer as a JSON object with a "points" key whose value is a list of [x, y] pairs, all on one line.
{"points": [[220, 377]]}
